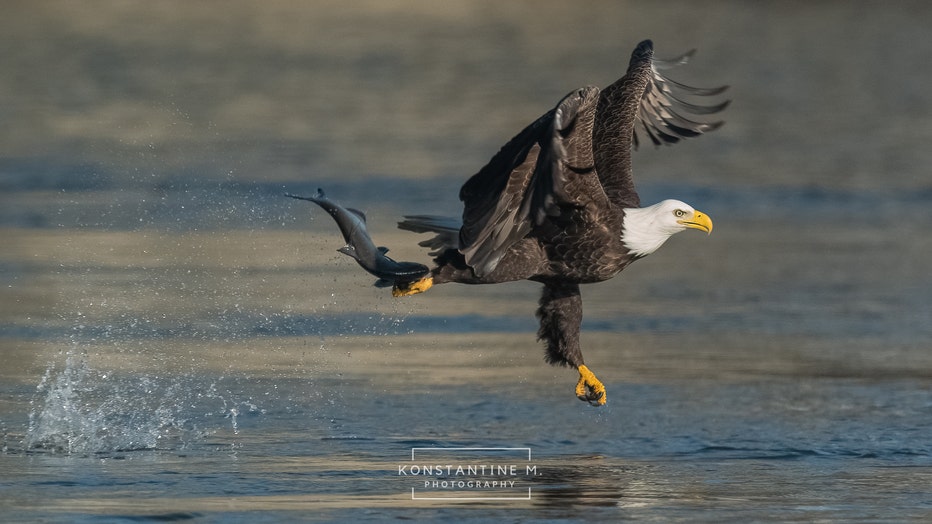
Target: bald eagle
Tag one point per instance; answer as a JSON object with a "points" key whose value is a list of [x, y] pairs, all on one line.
{"points": [[557, 205]]}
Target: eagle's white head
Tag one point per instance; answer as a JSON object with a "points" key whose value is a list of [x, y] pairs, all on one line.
{"points": [[645, 229]]}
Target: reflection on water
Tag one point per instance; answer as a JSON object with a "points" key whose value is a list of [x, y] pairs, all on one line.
{"points": [[179, 341]]}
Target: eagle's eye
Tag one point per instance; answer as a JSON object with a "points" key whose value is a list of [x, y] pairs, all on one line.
{"points": [[679, 213]]}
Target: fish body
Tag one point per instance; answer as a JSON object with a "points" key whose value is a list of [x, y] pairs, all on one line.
{"points": [[361, 248]]}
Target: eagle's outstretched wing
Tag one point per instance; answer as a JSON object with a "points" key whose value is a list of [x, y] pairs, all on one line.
{"points": [[577, 155], [645, 100], [541, 169]]}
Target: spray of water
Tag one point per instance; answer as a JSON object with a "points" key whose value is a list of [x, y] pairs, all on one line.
{"points": [[81, 410]]}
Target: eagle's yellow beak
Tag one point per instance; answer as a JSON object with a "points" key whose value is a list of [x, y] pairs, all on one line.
{"points": [[699, 220]]}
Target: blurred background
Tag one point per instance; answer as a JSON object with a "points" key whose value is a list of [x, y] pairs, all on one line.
{"points": [[144, 148]]}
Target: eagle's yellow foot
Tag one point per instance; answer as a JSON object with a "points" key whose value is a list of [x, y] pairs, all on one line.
{"points": [[589, 389], [403, 289]]}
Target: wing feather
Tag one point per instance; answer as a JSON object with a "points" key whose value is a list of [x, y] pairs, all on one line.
{"points": [[646, 101], [528, 180], [662, 111]]}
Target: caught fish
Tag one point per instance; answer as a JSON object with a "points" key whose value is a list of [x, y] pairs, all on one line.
{"points": [[360, 247]]}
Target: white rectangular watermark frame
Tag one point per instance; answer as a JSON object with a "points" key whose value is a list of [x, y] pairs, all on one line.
{"points": [[467, 485]]}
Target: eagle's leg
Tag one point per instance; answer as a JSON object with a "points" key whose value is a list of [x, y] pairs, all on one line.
{"points": [[403, 289], [560, 315]]}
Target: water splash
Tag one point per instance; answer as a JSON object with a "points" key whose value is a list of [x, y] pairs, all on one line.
{"points": [[82, 410]]}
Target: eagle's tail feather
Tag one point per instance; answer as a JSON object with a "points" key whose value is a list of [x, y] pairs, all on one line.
{"points": [[447, 231]]}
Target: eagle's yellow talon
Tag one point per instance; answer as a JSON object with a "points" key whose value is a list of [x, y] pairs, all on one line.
{"points": [[403, 289], [590, 389]]}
